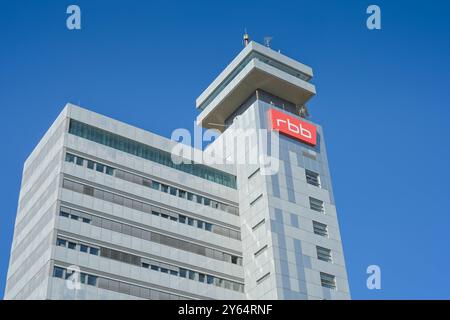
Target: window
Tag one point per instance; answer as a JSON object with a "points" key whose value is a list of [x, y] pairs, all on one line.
{"points": [[91, 280], [109, 171], [84, 248], [324, 254], [207, 202], [183, 273], [328, 280], [199, 199], [190, 196], [155, 185], [190, 221], [146, 182], [209, 279], [316, 205], [182, 218], [58, 272], [86, 220], [90, 164], [173, 191], [312, 178], [182, 193], [201, 277], [208, 226], [80, 161], [64, 214], [73, 217], [164, 188], [100, 168], [94, 251], [154, 267], [88, 190], [72, 245], [138, 149], [61, 242], [320, 229], [191, 275], [145, 265], [200, 224], [70, 157]]}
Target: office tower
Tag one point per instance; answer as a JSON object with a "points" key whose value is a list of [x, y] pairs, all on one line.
{"points": [[106, 211]]}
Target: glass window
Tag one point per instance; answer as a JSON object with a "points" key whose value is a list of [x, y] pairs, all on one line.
{"points": [[61, 242], [84, 248], [207, 202], [64, 213], [58, 272], [182, 218], [72, 245], [145, 265], [190, 221], [93, 251], [109, 171], [146, 182], [92, 280], [164, 188], [234, 260], [201, 277], [183, 273], [164, 270], [209, 279], [208, 226], [191, 275], [190, 196], [100, 167], [155, 185], [182, 193], [173, 191], [79, 161], [86, 220], [83, 277], [165, 216], [173, 272], [73, 217], [199, 199], [70, 157], [200, 224], [154, 267], [90, 164]]}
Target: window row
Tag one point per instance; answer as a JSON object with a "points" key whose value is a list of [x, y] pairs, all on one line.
{"points": [[82, 247], [118, 286], [83, 278], [120, 174], [152, 236], [147, 208], [151, 264], [149, 153]]}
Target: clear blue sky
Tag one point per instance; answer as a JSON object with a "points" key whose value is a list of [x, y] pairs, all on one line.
{"points": [[383, 100]]}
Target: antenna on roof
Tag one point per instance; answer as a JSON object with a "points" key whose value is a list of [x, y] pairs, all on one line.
{"points": [[246, 38], [267, 40]]}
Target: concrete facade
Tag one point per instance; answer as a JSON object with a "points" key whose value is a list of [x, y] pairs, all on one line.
{"points": [[101, 206]]}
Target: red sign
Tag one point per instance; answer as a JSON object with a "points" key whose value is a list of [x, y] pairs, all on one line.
{"points": [[293, 127]]}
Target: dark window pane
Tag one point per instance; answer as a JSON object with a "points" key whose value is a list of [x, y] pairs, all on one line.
{"points": [[61, 242], [80, 161], [84, 248], [109, 171], [94, 251], [100, 167], [70, 157], [90, 164], [58, 272]]}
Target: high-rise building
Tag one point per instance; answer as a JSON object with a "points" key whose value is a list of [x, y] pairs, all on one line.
{"points": [[110, 211]]}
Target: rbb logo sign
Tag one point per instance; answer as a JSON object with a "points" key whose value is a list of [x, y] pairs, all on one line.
{"points": [[293, 127]]}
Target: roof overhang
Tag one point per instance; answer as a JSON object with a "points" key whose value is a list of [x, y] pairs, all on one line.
{"points": [[255, 75]]}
